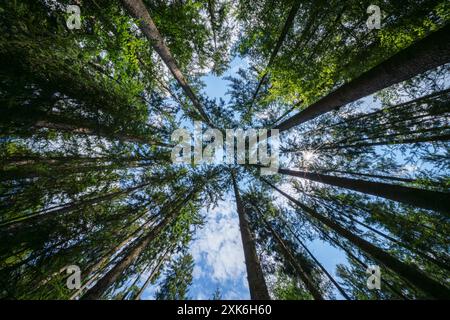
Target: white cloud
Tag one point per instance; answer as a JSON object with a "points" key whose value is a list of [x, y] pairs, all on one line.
{"points": [[217, 249]]}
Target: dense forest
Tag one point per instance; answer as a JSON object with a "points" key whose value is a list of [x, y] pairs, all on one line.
{"points": [[87, 114]]}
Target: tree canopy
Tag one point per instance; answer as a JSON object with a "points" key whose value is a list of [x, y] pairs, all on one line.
{"points": [[86, 122]]}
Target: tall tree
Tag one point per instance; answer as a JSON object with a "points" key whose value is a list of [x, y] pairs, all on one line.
{"points": [[255, 276], [406, 271], [138, 10], [178, 279], [424, 55]]}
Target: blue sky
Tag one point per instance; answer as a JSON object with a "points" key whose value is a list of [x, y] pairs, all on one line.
{"points": [[216, 87], [217, 248]]}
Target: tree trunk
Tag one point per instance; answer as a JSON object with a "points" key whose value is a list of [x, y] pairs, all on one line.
{"points": [[324, 270], [71, 168], [407, 272], [306, 249], [137, 10], [255, 277], [427, 99], [419, 252], [286, 27], [376, 176], [171, 212], [88, 131], [306, 279], [38, 218], [442, 138], [431, 200], [426, 54], [152, 275], [360, 262], [97, 266]]}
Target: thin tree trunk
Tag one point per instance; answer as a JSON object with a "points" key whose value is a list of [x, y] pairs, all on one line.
{"points": [[28, 173], [431, 200], [336, 284], [71, 168], [442, 138], [361, 263], [380, 133], [428, 99], [34, 159], [38, 218], [212, 20], [152, 275], [376, 176], [137, 10], [255, 277], [359, 145], [97, 266], [422, 56], [286, 113], [306, 279], [417, 251], [93, 132], [286, 27], [409, 273], [134, 252], [306, 249]]}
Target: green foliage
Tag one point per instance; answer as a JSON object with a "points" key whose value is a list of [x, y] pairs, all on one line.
{"points": [[178, 277], [86, 118]]}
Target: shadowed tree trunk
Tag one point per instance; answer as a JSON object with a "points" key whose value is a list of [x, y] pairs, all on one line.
{"points": [[306, 279], [74, 168], [38, 218], [152, 275], [135, 251], [317, 295], [434, 138], [405, 271], [255, 277], [443, 264], [396, 110], [431, 200], [137, 10], [422, 56], [376, 176], [97, 266], [360, 262], [97, 132], [286, 27], [336, 284]]}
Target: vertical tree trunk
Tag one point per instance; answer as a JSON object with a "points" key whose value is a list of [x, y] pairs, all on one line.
{"points": [[431, 200], [405, 271], [422, 56], [255, 277]]}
